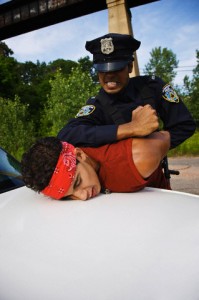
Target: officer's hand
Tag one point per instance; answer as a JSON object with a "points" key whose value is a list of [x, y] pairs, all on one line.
{"points": [[144, 121]]}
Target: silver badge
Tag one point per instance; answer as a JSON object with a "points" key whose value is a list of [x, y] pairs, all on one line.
{"points": [[107, 46]]}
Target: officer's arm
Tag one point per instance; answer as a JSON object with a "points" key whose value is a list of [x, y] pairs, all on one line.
{"points": [[174, 114], [179, 122], [144, 121], [90, 128], [79, 133]]}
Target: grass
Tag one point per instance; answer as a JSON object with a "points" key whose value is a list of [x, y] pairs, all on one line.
{"points": [[188, 148]]}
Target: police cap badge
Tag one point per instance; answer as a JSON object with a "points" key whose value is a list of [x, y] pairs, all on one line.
{"points": [[107, 46]]}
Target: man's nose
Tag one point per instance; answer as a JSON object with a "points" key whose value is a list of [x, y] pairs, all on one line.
{"points": [[82, 194]]}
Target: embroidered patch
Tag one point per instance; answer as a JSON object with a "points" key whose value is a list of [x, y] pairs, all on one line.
{"points": [[107, 46], [85, 111], [169, 94]]}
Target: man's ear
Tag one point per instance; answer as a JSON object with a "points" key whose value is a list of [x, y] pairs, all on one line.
{"points": [[80, 154], [130, 67]]}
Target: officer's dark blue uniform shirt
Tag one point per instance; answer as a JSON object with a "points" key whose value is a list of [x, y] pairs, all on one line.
{"points": [[96, 123]]}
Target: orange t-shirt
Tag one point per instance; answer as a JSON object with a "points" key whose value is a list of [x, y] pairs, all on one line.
{"points": [[118, 172]]}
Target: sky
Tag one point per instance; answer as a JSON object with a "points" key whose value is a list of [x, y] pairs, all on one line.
{"points": [[171, 24]]}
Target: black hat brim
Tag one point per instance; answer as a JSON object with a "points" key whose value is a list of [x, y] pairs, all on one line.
{"points": [[111, 66]]}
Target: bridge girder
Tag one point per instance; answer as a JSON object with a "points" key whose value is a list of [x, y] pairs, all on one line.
{"points": [[22, 16]]}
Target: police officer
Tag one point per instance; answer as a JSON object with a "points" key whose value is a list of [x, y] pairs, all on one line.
{"points": [[126, 107]]}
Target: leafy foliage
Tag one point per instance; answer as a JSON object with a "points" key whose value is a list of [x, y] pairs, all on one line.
{"points": [[191, 94], [16, 132], [66, 98], [9, 77], [188, 147], [87, 66], [162, 64], [65, 66], [5, 51]]}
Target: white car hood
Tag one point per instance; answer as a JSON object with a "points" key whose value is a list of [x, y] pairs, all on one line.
{"points": [[142, 246]]}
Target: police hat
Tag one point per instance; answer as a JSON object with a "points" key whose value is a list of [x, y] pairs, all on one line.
{"points": [[112, 52]]}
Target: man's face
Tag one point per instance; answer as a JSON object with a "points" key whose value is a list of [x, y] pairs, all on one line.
{"points": [[86, 184], [114, 82]]}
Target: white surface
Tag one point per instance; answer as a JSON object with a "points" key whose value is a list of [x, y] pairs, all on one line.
{"points": [[142, 246]]}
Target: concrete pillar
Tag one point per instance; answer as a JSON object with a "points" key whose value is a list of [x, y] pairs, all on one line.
{"points": [[119, 17]]}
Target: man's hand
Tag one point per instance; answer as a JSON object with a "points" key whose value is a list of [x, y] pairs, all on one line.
{"points": [[144, 121]]}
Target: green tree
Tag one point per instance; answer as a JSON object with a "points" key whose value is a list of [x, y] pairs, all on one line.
{"points": [[16, 133], [33, 88], [65, 66], [66, 97], [162, 63], [35, 84], [191, 93], [5, 50], [87, 66], [9, 75]]}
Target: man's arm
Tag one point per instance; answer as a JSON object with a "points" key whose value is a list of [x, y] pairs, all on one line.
{"points": [[148, 152]]}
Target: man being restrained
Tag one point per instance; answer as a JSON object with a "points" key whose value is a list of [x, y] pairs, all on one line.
{"points": [[59, 170]]}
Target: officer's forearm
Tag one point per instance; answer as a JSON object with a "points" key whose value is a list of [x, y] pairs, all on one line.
{"points": [[125, 131], [144, 122], [181, 132], [87, 135], [131, 129]]}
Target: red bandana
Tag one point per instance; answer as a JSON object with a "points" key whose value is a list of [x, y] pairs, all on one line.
{"points": [[64, 173]]}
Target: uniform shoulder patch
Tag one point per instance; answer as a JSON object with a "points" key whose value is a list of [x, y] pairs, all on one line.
{"points": [[169, 94], [85, 111]]}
